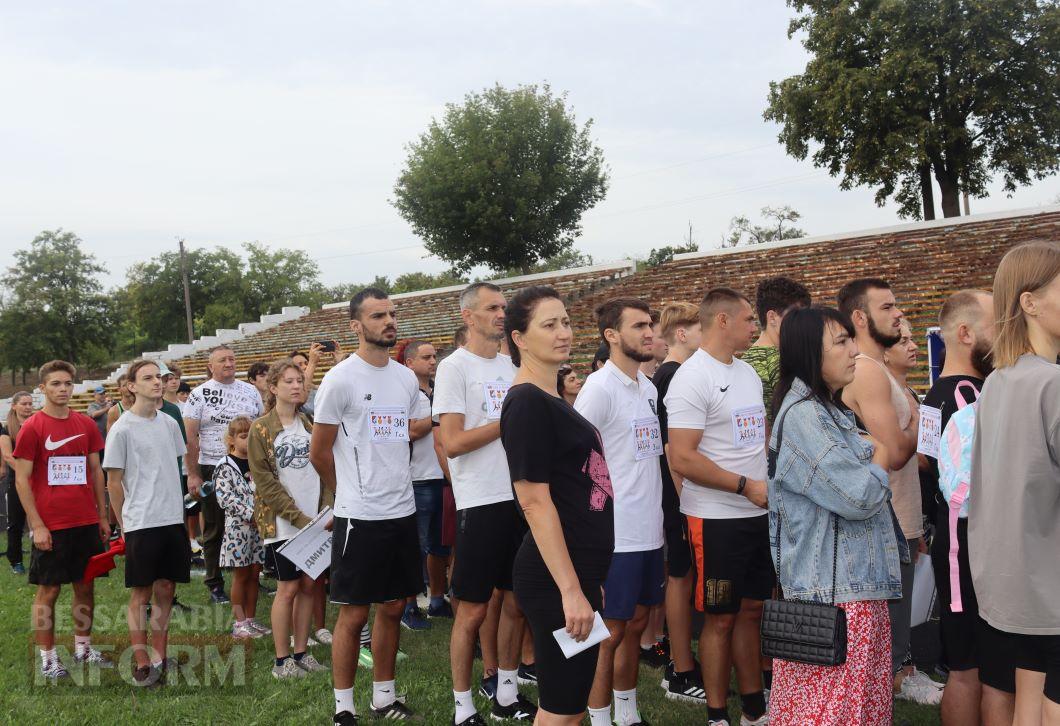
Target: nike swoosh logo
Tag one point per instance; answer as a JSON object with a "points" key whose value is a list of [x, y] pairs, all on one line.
{"points": [[53, 445], [723, 390], [623, 698]]}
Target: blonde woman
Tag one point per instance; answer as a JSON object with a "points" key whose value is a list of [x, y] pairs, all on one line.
{"points": [[1013, 532], [21, 409]]}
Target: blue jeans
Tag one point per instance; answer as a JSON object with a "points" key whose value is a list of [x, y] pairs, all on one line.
{"points": [[429, 519]]}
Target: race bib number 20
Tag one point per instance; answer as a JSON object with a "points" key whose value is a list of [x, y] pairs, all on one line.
{"points": [[389, 424]]}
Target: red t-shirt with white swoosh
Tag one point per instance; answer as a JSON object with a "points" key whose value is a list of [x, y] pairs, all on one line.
{"points": [[59, 449]]}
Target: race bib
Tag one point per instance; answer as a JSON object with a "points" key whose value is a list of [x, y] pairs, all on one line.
{"points": [[389, 424], [647, 438], [495, 391], [930, 432], [749, 427], [66, 471]]}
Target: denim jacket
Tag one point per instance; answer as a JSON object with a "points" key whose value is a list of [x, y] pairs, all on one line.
{"points": [[823, 468]]}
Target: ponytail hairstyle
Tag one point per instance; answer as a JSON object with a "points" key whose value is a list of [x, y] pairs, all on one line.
{"points": [[520, 311], [13, 424], [275, 374]]}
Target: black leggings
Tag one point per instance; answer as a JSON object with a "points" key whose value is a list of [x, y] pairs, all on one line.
{"points": [[563, 684], [16, 524]]}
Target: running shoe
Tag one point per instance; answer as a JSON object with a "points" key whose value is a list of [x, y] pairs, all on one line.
{"points": [[915, 690], [255, 625], [94, 657], [218, 596], [445, 610], [242, 631], [396, 711], [923, 678], [473, 720], [310, 664], [54, 670], [687, 686], [345, 718], [657, 656], [762, 720], [289, 669], [196, 548], [413, 619], [323, 636], [18, 569], [488, 687], [521, 710], [527, 674]]}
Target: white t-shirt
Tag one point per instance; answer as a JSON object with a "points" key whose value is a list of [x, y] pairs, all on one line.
{"points": [[372, 408], [724, 401], [214, 405], [425, 466], [626, 413], [146, 450], [475, 387], [298, 477]]}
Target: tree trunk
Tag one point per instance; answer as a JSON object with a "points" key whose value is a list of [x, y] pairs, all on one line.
{"points": [[927, 194], [951, 195]]}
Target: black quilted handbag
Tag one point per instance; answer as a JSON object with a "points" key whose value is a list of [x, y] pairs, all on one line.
{"points": [[799, 631]]}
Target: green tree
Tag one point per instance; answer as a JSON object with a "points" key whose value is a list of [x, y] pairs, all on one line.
{"points": [[743, 232], [502, 180], [275, 278], [568, 259], [416, 281], [54, 306], [666, 253], [898, 91]]}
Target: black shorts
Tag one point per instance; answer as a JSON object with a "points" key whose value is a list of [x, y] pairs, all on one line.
{"points": [[732, 561], [563, 684], [678, 549], [1041, 654], [157, 553], [487, 539], [285, 569], [375, 561], [67, 559]]}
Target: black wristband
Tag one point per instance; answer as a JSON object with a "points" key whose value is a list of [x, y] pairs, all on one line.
{"points": [[741, 485]]}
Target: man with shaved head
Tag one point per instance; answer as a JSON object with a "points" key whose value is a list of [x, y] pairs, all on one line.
{"points": [[981, 684]]}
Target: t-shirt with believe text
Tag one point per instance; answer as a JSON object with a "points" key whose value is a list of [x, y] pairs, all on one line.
{"points": [[372, 407], [214, 405], [60, 449]]}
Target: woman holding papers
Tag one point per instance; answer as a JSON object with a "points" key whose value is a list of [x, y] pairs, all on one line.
{"points": [[289, 495], [561, 480]]}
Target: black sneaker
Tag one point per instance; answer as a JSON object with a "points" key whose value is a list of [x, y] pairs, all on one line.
{"points": [[657, 656], [527, 674], [18, 569], [687, 686], [345, 718], [396, 711], [218, 597], [488, 687], [521, 710], [445, 610], [474, 720]]}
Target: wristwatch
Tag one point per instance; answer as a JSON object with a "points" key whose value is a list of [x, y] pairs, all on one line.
{"points": [[741, 485]]}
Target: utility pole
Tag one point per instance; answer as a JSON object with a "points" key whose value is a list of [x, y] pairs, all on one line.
{"points": [[187, 290]]}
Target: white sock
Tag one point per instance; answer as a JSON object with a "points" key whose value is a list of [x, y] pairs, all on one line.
{"points": [[47, 656], [507, 686], [158, 664], [600, 716], [82, 644], [465, 706], [626, 712], [383, 694], [344, 700]]}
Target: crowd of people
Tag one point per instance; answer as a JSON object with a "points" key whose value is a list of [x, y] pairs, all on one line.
{"points": [[719, 455]]}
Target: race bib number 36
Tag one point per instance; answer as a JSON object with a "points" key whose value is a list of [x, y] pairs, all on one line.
{"points": [[389, 424], [647, 438], [749, 427], [67, 471], [495, 391], [930, 431]]}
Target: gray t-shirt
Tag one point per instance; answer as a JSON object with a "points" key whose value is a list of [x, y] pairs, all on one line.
{"points": [[101, 421], [145, 448], [1014, 511]]}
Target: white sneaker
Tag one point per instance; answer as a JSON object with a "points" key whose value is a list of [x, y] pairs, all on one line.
{"points": [[324, 636], [762, 720], [242, 631], [310, 664], [915, 690], [255, 625], [309, 643], [196, 548], [94, 657], [54, 670], [289, 669], [924, 679]]}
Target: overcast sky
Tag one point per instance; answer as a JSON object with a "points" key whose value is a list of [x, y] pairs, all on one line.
{"points": [[223, 122]]}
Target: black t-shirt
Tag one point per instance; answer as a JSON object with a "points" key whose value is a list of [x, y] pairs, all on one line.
{"points": [[671, 503], [547, 441], [941, 396]]}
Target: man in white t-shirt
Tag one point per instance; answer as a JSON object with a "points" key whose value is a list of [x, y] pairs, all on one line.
{"points": [[717, 443], [207, 413], [368, 410], [468, 392], [145, 493], [622, 403]]}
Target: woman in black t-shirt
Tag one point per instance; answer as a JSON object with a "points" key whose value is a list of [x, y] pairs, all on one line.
{"points": [[561, 480]]}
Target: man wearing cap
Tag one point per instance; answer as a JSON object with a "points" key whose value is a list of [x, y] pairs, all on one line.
{"points": [[98, 409]]}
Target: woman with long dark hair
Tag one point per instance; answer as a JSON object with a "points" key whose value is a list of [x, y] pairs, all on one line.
{"points": [[21, 409], [568, 383], [557, 467], [833, 531]]}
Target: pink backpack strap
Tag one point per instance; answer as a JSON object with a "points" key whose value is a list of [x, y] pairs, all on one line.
{"points": [[959, 495], [961, 400]]}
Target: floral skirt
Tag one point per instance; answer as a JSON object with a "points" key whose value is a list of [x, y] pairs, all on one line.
{"points": [[241, 545], [857, 693]]}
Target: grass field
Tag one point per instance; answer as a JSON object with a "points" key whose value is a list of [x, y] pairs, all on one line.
{"points": [[245, 693]]}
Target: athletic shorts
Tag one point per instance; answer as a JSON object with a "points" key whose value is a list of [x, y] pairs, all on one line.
{"points": [[732, 562], [448, 516], [375, 561], [67, 559], [1040, 653], [157, 553], [678, 550], [487, 539], [285, 569], [634, 578]]}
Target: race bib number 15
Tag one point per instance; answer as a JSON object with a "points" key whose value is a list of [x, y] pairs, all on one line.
{"points": [[67, 471], [389, 424]]}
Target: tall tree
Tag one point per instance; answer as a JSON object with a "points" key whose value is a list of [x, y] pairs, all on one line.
{"points": [[502, 180], [54, 306], [899, 91], [779, 225]]}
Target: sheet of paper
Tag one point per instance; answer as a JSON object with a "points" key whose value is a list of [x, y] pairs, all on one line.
{"points": [[310, 549], [571, 647], [930, 432], [923, 591]]}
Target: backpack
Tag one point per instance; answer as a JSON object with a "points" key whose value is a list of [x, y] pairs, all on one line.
{"points": [[955, 476]]}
